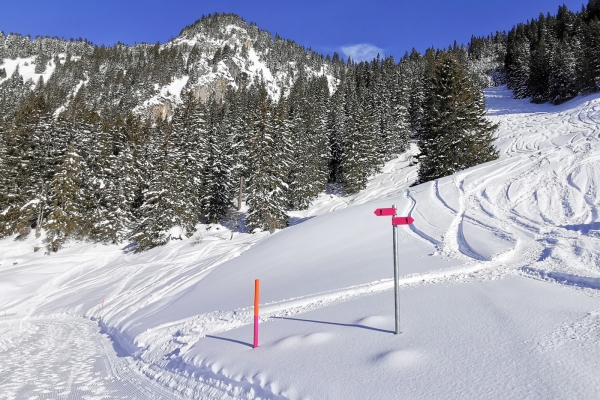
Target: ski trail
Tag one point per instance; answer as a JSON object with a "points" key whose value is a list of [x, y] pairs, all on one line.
{"points": [[180, 336], [66, 358]]}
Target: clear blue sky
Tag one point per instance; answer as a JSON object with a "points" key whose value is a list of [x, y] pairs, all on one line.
{"points": [[325, 26]]}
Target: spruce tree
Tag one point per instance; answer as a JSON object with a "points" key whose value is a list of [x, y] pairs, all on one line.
{"points": [[156, 214], [541, 60], [65, 195], [335, 133], [456, 135], [31, 160], [562, 79], [267, 188], [309, 143], [359, 158], [217, 185], [518, 61]]}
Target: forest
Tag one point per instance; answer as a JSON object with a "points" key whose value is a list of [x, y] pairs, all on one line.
{"points": [[86, 156]]}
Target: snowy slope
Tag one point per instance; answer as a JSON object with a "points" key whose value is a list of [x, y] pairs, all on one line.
{"points": [[202, 77], [26, 69], [500, 278]]}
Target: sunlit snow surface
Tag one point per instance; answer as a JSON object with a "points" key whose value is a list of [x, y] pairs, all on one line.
{"points": [[500, 279]]}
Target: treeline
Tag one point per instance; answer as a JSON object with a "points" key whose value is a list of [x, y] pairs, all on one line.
{"points": [[84, 176], [92, 166], [555, 58]]}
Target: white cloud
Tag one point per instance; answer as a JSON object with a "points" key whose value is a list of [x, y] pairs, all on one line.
{"points": [[362, 51]]}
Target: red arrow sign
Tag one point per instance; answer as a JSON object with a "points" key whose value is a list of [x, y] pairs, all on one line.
{"points": [[382, 212], [402, 221]]}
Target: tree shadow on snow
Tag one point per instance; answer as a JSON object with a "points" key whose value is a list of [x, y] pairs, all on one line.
{"points": [[336, 323]]}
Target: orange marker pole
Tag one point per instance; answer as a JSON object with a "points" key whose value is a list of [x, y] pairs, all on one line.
{"points": [[256, 301], [102, 302]]}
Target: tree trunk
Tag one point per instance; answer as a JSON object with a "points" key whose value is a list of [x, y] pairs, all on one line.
{"points": [[240, 194]]}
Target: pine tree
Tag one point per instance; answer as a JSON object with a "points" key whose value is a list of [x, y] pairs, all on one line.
{"points": [[359, 155], [456, 134], [267, 188], [172, 196], [112, 181], [65, 191], [391, 112], [518, 61], [335, 132], [541, 60], [414, 67], [309, 147], [589, 75], [156, 213], [562, 79], [217, 184], [31, 160]]}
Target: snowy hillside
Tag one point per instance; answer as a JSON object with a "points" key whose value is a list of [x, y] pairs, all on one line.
{"points": [[214, 53], [500, 279]]}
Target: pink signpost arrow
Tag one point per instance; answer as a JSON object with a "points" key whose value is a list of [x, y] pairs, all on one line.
{"points": [[384, 212], [402, 221], [380, 212]]}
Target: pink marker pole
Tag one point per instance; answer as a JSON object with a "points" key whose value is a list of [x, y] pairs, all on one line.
{"points": [[256, 301]]}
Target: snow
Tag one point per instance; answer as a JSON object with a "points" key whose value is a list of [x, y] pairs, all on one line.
{"points": [[170, 92], [26, 69], [499, 289]]}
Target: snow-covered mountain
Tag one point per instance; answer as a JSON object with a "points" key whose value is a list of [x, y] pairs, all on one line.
{"points": [[500, 279], [215, 52]]}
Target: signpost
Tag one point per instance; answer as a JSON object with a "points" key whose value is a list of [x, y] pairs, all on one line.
{"points": [[380, 212]]}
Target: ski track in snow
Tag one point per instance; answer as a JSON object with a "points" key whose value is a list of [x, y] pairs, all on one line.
{"points": [[533, 212], [67, 358]]}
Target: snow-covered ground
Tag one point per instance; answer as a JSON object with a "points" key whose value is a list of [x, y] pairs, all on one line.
{"points": [[500, 290]]}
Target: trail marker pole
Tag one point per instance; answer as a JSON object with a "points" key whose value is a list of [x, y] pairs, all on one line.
{"points": [[380, 212], [396, 273], [256, 301]]}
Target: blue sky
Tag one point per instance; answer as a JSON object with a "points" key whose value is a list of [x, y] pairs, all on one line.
{"points": [[359, 28]]}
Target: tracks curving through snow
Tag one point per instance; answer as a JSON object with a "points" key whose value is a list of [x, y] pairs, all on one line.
{"points": [[67, 357]]}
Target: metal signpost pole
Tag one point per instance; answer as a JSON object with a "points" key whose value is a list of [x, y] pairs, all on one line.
{"points": [[380, 212], [396, 273]]}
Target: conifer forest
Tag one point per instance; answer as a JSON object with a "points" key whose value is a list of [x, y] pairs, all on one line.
{"points": [[126, 143]]}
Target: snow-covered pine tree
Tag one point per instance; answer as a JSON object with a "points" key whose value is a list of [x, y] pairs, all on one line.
{"points": [[562, 79], [6, 182], [113, 180], [174, 160], [238, 132], [456, 135], [335, 131], [186, 159], [65, 195], [359, 158], [390, 98], [217, 184], [541, 60], [414, 68], [309, 146], [518, 60], [590, 74], [155, 214], [267, 188], [31, 160]]}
